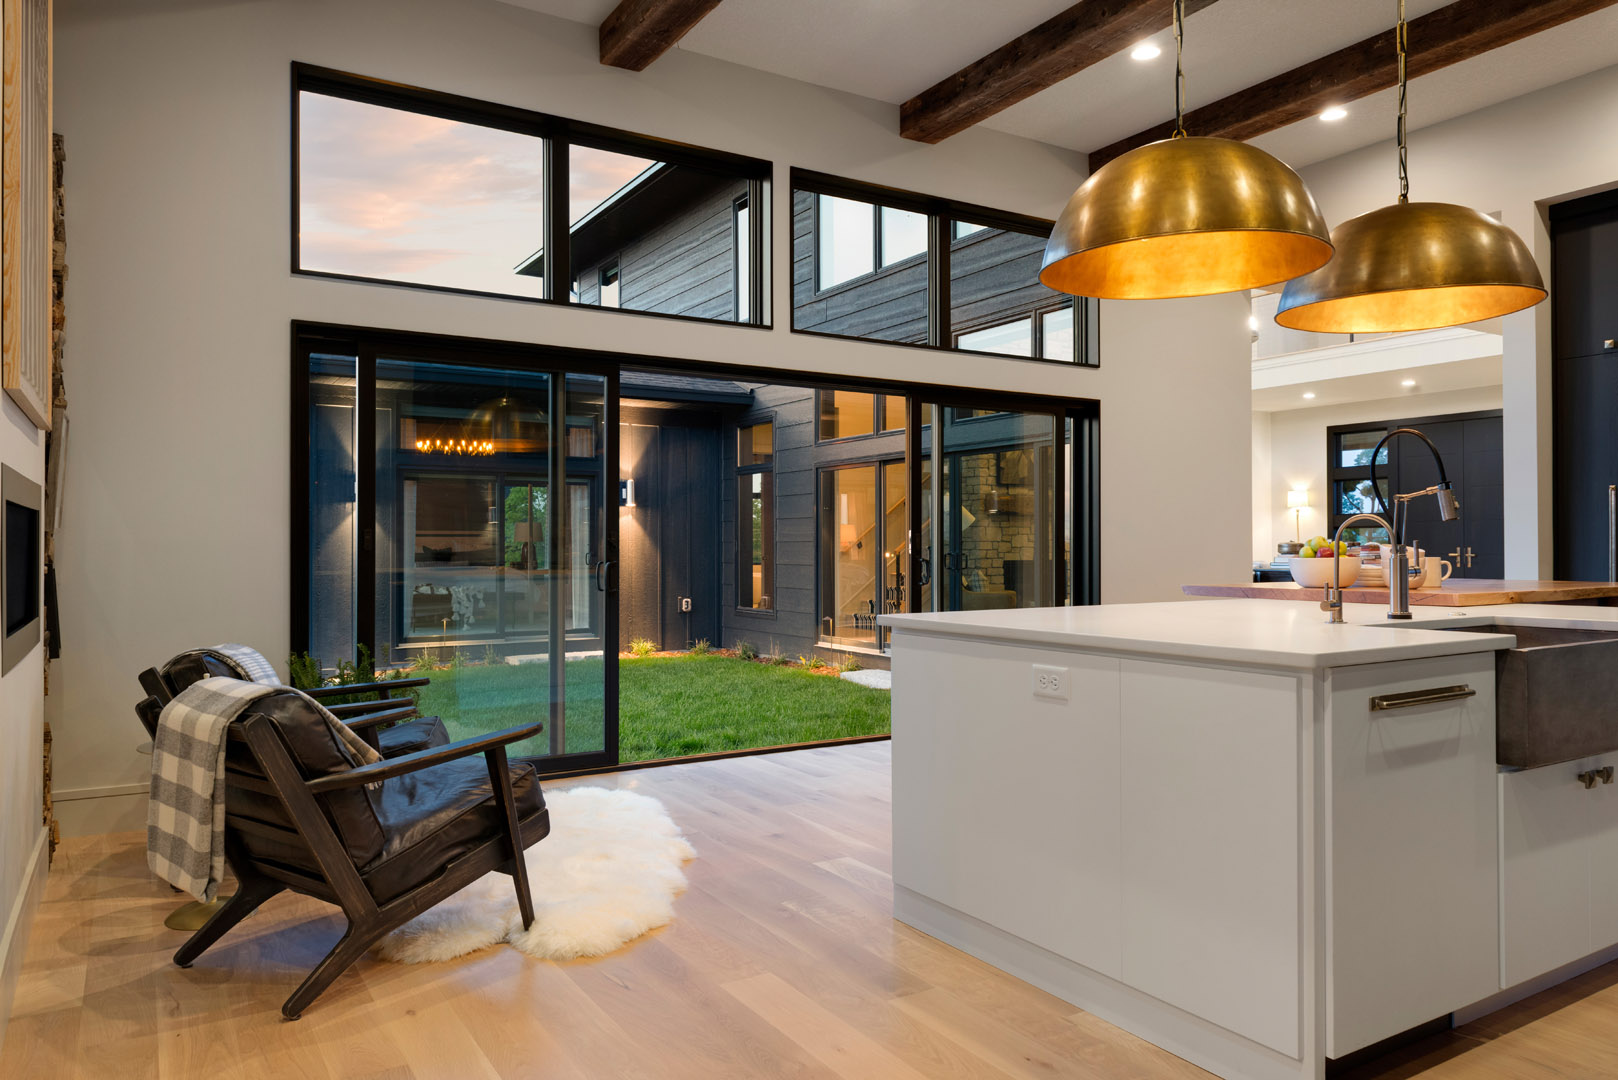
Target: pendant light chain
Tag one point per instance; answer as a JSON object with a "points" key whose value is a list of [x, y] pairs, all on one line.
{"points": [[1402, 39], [1179, 68]]}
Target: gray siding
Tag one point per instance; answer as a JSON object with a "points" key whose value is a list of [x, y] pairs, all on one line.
{"points": [[793, 627], [994, 278], [685, 267]]}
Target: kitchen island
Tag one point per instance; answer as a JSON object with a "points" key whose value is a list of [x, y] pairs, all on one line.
{"points": [[1456, 592], [1254, 838]]}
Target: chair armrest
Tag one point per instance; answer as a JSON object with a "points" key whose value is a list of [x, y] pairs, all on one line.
{"points": [[365, 688], [360, 708], [371, 720], [423, 759]]}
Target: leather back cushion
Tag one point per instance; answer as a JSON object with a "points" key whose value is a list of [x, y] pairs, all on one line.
{"points": [[194, 666], [317, 751]]}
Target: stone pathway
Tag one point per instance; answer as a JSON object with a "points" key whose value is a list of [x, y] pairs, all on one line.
{"points": [[876, 680]]}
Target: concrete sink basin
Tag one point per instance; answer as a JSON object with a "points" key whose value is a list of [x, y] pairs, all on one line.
{"points": [[1556, 693]]}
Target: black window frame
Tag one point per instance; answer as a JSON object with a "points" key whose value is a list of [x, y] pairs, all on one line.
{"points": [[942, 216], [558, 133], [880, 268], [739, 287], [878, 401], [767, 497]]}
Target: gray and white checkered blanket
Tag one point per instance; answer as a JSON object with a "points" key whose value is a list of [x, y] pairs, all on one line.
{"points": [[185, 817], [248, 663]]}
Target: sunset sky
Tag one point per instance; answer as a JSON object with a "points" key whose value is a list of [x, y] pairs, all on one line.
{"points": [[392, 194]]}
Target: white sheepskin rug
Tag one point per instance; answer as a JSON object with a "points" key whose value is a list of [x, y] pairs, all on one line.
{"points": [[607, 873]]}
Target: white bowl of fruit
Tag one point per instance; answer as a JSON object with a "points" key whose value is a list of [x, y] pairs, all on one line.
{"points": [[1311, 567]]}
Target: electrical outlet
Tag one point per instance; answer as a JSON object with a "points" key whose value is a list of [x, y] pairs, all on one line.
{"points": [[1051, 683], [685, 603]]}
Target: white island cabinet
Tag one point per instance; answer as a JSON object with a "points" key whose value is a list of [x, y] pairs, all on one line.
{"points": [[1193, 821]]}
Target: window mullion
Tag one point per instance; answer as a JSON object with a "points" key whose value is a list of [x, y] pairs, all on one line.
{"points": [[938, 328]]}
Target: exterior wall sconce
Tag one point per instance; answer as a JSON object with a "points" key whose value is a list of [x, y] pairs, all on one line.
{"points": [[626, 492]]}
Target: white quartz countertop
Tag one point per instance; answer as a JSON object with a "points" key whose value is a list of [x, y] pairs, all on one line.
{"points": [[1255, 632]]}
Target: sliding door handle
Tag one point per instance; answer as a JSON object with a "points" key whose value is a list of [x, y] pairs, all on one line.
{"points": [[603, 573]]}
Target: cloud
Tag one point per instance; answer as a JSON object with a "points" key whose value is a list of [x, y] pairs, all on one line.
{"points": [[390, 193]]}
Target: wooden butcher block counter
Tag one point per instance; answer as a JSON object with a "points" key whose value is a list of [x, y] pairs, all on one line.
{"points": [[1456, 592]]}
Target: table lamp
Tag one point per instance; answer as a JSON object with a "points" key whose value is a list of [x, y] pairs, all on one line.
{"points": [[1298, 502]]}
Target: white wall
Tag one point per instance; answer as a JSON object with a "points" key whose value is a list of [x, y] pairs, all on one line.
{"points": [[22, 713], [1295, 442], [176, 123], [1263, 483], [1514, 158]]}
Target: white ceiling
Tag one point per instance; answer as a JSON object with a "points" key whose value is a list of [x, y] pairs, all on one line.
{"points": [[893, 49]]}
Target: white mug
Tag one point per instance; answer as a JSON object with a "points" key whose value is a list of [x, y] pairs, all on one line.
{"points": [[1438, 572]]}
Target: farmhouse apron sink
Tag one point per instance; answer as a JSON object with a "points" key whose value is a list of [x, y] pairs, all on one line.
{"points": [[1556, 693]]}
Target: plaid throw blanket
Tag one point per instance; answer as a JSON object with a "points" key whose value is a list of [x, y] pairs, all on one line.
{"points": [[247, 662], [185, 817]]}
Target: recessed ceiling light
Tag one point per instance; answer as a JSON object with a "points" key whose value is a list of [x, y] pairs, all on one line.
{"points": [[1334, 114], [1408, 382], [1145, 51], [1309, 395]]}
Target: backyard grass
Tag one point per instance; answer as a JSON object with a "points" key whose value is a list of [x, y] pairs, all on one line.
{"points": [[669, 706]]}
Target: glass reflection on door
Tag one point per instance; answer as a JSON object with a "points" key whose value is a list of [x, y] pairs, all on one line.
{"points": [[483, 584], [525, 554], [997, 535]]}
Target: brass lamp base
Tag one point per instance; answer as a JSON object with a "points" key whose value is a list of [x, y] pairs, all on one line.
{"points": [[194, 916]]}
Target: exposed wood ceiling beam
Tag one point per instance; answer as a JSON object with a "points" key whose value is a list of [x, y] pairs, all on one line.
{"points": [[1063, 45], [1438, 39], [639, 31]]}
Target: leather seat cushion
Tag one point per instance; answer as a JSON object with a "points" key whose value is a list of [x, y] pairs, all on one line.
{"points": [[432, 817], [424, 733]]}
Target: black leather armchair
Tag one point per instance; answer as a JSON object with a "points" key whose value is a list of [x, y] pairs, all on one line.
{"points": [[300, 816]]}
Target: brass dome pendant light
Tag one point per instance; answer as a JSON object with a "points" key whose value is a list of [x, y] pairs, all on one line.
{"points": [[1185, 216], [1413, 266]]}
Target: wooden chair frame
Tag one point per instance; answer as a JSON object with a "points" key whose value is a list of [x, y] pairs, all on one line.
{"points": [[339, 881]]}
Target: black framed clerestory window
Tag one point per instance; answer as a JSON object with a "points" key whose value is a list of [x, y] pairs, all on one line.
{"points": [[880, 264], [414, 187]]}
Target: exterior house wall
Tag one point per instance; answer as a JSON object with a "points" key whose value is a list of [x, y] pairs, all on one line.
{"points": [[686, 266], [994, 277]]}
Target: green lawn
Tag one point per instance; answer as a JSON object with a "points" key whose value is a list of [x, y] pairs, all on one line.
{"points": [[670, 706]]}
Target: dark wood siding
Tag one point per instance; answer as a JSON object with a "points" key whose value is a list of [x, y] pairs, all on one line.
{"points": [[687, 266], [793, 627], [994, 278], [891, 305]]}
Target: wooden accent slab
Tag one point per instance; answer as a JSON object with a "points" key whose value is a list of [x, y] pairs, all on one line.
{"points": [[1457, 592], [1453, 33], [1063, 45], [639, 31]]}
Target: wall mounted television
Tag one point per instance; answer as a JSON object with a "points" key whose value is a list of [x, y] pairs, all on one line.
{"points": [[20, 553]]}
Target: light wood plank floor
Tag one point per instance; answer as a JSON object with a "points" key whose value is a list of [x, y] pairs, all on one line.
{"points": [[783, 962]]}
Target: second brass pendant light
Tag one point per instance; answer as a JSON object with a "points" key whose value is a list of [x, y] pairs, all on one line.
{"points": [[1413, 266], [1185, 217]]}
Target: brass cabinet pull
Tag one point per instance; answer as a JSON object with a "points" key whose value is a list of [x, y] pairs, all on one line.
{"points": [[1384, 702], [1590, 777]]}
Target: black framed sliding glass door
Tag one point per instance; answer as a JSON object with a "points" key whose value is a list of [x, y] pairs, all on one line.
{"points": [[472, 544], [998, 478]]}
